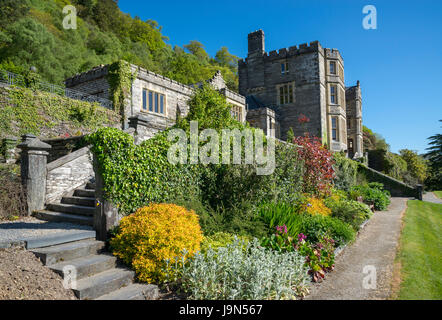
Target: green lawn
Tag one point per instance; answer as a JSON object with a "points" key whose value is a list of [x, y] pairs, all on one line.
{"points": [[438, 194], [421, 252]]}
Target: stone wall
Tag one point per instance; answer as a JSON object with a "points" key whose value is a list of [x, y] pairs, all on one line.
{"points": [[93, 82], [64, 146], [260, 74], [68, 173], [395, 187]]}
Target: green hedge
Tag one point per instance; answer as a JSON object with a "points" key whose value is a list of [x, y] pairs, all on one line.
{"points": [[395, 187]]}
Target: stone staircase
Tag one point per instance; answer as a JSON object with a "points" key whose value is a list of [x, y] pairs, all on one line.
{"points": [[78, 208], [98, 273]]}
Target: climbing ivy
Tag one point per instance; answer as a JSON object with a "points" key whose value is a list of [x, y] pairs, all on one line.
{"points": [[120, 78], [23, 110]]}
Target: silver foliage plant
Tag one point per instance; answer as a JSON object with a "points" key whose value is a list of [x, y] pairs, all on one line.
{"points": [[257, 273]]}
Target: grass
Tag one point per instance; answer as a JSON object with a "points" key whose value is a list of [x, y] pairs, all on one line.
{"points": [[438, 194], [420, 252]]}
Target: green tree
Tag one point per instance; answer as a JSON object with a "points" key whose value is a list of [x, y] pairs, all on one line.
{"points": [[434, 156], [210, 109], [197, 49], [224, 58], [416, 165], [11, 11], [33, 45]]}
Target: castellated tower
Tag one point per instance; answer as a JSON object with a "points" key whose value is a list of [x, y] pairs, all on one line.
{"points": [[353, 98], [281, 87]]}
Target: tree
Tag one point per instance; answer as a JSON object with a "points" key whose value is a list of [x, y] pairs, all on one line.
{"points": [[416, 165], [197, 49], [33, 45], [224, 58], [11, 11], [434, 156]]}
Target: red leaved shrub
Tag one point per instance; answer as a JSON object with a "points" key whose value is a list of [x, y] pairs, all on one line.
{"points": [[318, 163]]}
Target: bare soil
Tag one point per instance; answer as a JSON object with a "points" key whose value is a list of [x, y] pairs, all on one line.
{"points": [[23, 277]]}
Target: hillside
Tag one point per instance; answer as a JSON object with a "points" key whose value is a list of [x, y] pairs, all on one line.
{"points": [[32, 34]]}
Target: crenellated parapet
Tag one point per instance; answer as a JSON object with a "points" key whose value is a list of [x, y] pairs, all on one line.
{"points": [[333, 54], [285, 53], [91, 75]]}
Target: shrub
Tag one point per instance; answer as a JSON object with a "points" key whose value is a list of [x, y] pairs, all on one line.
{"points": [[221, 239], [312, 226], [12, 193], [372, 194], [136, 175], [345, 171], [352, 212], [313, 205], [257, 273], [154, 236], [319, 257], [318, 165]]}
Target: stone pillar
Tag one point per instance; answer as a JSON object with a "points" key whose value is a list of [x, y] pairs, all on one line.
{"points": [[106, 214], [9, 145], [33, 161], [419, 191]]}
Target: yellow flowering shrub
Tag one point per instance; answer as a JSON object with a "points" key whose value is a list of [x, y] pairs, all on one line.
{"points": [[314, 206], [155, 234]]}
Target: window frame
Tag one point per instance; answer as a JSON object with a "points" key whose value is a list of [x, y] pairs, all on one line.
{"points": [[334, 96], [153, 102], [335, 129], [285, 93], [334, 68], [285, 68]]}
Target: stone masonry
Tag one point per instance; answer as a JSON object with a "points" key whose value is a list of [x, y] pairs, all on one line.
{"points": [[277, 89], [174, 96], [300, 81]]}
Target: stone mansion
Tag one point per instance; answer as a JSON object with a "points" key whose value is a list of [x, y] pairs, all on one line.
{"points": [[299, 88]]}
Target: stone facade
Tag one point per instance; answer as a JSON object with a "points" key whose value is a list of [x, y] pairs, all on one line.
{"points": [[171, 95], [353, 99], [67, 173], [299, 81]]}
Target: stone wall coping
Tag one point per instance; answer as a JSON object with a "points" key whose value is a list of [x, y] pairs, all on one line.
{"points": [[67, 158]]}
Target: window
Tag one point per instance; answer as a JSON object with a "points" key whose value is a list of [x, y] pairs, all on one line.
{"points": [[348, 124], [332, 67], [154, 102], [237, 113], [333, 94], [286, 94], [334, 121], [284, 67]]}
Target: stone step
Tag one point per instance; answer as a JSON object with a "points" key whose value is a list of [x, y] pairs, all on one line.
{"points": [[71, 208], [103, 283], [68, 251], [90, 185], [86, 266], [64, 217], [82, 201], [84, 193], [59, 238], [135, 291]]}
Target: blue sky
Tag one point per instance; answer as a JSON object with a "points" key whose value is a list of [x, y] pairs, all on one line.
{"points": [[399, 64]]}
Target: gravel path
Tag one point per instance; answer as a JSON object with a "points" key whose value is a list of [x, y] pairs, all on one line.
{"points": [[29, 227], [375, 246], [431, 197]]}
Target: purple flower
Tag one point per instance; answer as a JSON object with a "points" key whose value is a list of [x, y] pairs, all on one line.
{"points": [[309, 204]]}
